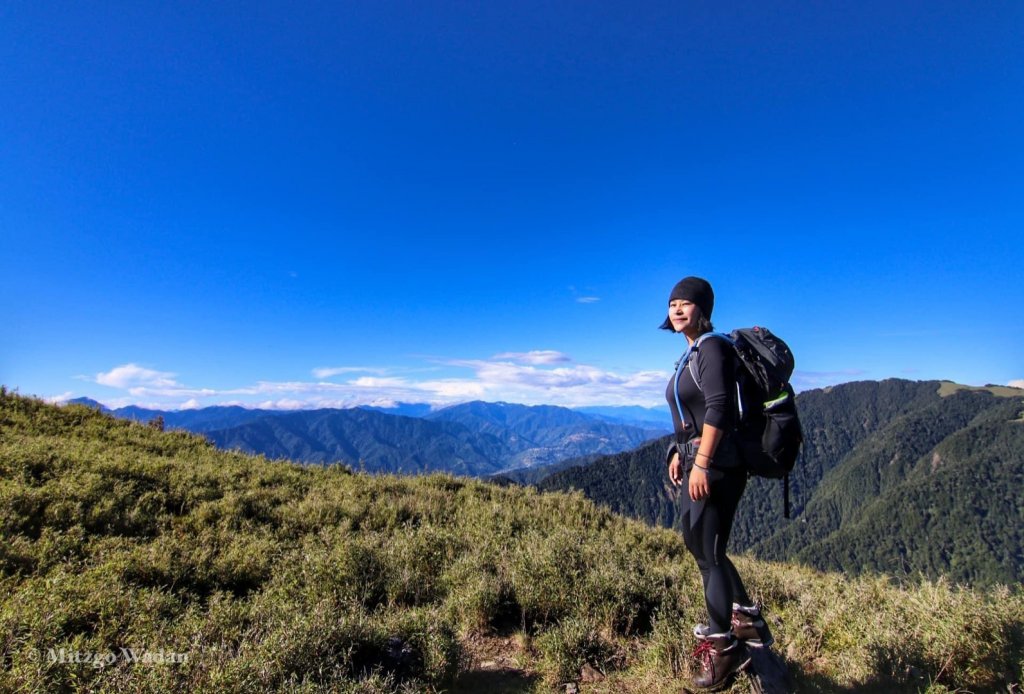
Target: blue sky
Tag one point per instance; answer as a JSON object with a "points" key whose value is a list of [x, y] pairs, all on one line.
{"points": [[330, 204]]}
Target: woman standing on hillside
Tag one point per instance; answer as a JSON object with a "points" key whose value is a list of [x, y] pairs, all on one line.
{"points": [[705, 459]]}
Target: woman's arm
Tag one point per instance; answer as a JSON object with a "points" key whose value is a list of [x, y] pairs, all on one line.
{"points": [[716, 379], [700, 486], [714, 368]]}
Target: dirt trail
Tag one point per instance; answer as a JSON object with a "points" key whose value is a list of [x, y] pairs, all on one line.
{"points": [[494, 667]]}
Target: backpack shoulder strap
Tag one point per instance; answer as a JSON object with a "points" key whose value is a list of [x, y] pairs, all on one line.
{"points": [[693, 367], [696, 346]]}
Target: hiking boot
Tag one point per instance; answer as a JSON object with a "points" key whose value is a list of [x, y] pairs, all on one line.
{"points": [[720, 657], [750, 627]]}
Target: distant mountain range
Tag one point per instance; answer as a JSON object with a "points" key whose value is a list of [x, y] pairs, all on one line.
{"points": [[406, 409], [198, 420], [897, 476], [650, 417], [475, 438]]}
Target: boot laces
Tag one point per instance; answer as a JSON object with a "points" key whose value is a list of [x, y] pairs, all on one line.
{"points": [[703, 652]]}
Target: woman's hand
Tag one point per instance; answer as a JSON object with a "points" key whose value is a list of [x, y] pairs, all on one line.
{"points": [[700, 487], [675, 471]]}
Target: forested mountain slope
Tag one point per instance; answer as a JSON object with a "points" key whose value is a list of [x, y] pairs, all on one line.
{"points": [[474, 438], [545, 434], [894, 476], [366, 439]]}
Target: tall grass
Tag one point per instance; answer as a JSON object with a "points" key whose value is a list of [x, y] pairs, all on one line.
{"points": [[238, 574]]}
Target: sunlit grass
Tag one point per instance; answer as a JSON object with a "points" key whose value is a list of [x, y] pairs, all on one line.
{"points": [[268, 576]]}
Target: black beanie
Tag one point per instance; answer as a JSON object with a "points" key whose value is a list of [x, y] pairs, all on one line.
{"points": [[692, 289]]}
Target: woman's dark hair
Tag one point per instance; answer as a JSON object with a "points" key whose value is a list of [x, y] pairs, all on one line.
{"points": [[703, 324]]}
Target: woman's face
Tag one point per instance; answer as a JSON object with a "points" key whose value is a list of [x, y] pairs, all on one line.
{"points": [[683, 315]]}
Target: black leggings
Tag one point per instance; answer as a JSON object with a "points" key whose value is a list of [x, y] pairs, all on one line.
{"points": [[707, 540]]}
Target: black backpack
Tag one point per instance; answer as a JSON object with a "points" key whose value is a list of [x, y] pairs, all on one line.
{"points": [[768, 426]]}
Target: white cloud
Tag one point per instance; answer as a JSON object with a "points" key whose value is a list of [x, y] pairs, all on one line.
{"points": [[329, 371], [536, 356], [562, 377], [532, 377], [575, 385], [287, 404], [177, 391], [373, 382], [59, 399], [1017, 383], [453, 390], [133, 375], [588, 298], [807, 380]]}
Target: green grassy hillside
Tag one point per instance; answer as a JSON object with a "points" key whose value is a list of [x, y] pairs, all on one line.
{"points": [[134, 560], [949, 387]]}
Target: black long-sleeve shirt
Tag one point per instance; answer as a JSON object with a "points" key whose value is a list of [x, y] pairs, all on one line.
{"points": [[714, 401]]}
